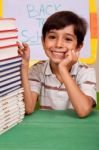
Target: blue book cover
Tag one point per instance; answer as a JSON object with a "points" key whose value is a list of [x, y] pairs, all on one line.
{"points": [[9, 71], [11, 80], [9, 90], [9, 76], [10, 85]]}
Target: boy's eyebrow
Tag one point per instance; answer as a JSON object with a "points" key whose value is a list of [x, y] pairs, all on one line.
{"points": [[67, 34], [51, 31], [71, 35]]}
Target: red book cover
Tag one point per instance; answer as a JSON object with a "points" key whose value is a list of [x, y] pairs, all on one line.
{"points": [[8, 33]]}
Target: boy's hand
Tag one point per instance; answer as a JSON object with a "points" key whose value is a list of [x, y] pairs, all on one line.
{"points": [[24, 52], [71, 58]]}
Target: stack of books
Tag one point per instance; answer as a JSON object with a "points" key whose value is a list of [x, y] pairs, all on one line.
{"points": [[12, 107]]}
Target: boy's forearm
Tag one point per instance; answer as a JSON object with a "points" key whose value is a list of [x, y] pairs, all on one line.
{"points": [[81, 103], [27, 93]]}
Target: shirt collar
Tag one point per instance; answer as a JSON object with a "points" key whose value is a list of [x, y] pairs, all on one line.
{"points": [[48, 68]]}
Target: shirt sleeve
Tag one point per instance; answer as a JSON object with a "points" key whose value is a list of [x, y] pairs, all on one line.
{"points": [[34, 79], [87, 82]]}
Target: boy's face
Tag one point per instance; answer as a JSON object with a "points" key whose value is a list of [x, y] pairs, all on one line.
{"points": [[58, 42]]}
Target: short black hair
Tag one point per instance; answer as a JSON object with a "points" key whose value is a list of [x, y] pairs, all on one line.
{"points": [[61, 19]]}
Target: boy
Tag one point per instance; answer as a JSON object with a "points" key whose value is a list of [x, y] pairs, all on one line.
{"points": [[60, 82]]}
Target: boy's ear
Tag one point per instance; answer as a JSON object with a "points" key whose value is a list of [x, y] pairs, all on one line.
{"points": [[42, 40], [79, 47]]}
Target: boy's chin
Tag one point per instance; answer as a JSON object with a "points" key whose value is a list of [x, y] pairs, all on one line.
{"points": [[57, 61]]}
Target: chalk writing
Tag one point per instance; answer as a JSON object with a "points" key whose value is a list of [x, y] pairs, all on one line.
{"points": [[31, 39], [43, 11]]}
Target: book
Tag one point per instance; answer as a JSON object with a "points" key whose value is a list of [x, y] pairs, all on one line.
{"points": [[9, 71], [12, 111], [7, 23], [8, 41], [11, 99], [9, 120], [10, 66], [8, 51], [8, 82], [8, 33], [11, 94], [10, 60], [9, 76], [12, 108], [8, 38], [7, 128], [5, 92], [10, 85]]}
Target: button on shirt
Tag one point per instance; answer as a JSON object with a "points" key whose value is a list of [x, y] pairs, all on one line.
{"points": [[52, 93]]}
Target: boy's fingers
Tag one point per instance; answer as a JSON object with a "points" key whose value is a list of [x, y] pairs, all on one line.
{"points": [[25, 45]]}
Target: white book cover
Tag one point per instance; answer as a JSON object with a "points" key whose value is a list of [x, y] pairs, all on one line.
{"points": [[10, 122], [7, 24], [10, 125], [8, 116], [6, 105], [8, 41], [19, 111], [11, 117], [10, 99], [9, 51], [7, 108], [8, 128], [11, 110], [5, 117], [17, 97]]}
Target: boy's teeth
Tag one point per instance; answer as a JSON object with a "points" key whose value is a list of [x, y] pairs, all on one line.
{"points": [[58, 54]]}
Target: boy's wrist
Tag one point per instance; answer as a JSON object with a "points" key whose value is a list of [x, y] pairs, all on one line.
{"points": [[25, 66]]}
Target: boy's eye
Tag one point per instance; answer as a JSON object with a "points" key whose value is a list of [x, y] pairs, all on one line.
{"points": [[51, 37], [68, 39]]}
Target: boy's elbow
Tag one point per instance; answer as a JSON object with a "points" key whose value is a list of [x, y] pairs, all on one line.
{"points": [[29, 111], [84, 113]]}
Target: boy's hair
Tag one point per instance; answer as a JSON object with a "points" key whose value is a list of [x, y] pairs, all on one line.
{"points": [[61, 19]]}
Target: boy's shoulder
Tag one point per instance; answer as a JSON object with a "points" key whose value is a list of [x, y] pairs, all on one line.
{"points": [[81, 68], [41, 62], [83, 65], [84, 68], [40, 66]]}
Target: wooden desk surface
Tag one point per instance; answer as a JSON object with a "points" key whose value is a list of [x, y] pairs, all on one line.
{"points": [[53, 130]]}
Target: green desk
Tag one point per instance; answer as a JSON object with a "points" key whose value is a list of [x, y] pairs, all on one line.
{"points": [[53, 130]]}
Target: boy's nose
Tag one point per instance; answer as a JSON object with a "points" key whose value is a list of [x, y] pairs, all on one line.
{"points": [[59, 43]]}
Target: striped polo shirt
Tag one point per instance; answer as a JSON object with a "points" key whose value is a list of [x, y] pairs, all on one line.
{"points": [[52, 93]]}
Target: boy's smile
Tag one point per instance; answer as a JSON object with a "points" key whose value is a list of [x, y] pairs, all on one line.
{"points": [[58, 53]]}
